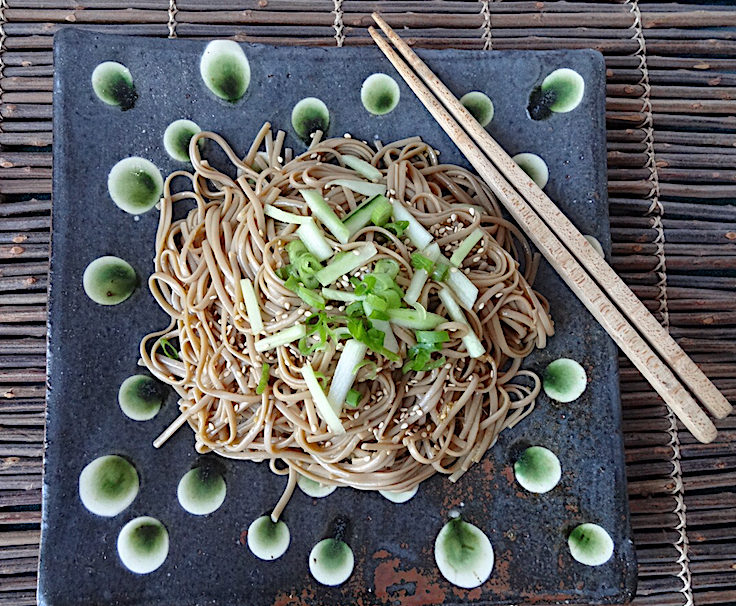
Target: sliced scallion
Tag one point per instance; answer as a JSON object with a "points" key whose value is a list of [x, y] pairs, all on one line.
{"points": [[363, 168], [415, 320], [321, 403], [418, 280], [325, 214], [466, 246], [353, 398], [464, 289], [419, 236], [440, 271], [420, 277], [168, 349], [471, 341], [252, 308], [283, 216], [360, 187], [388, 267], [263, 382], [361, 216], [397, 227], [347, 367], [343, 263], [419, 261], [332, 294], [288, 335], [432, 252], [310, 297], [381, 211], [314, 239], [389, 340], [432, 336]]}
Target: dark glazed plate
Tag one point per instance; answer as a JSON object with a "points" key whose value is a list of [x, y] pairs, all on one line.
{"points": [[92, 349]]}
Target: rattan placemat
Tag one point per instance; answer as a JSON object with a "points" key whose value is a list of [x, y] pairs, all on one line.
{"points": [[671, 117]]}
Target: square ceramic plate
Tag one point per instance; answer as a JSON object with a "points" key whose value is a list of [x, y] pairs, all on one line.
{"points": [[92, 349]]}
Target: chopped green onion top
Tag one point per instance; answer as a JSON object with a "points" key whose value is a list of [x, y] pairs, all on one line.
{"points": [[388, 267], [362, 330], [440, 272], [263, 383], [317, 331], [419, 261], [420, 359], [353, 398], [381, 211], [432, 336], [310, 297], [397, 227], [168, 349]]}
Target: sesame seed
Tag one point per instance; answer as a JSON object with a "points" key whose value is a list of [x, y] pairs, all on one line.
{"points": [[404, 426]]}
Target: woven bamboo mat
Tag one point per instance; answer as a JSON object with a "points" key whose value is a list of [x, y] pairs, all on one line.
{"points": [[671, 120]]}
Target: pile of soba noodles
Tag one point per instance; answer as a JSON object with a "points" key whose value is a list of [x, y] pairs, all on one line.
{"points": [[356, 315]]}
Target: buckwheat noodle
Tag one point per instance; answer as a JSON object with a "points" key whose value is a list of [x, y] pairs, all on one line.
{"points": [[407, 426]]}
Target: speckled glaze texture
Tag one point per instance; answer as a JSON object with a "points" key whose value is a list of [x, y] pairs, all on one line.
{"points": [[92, 349]]}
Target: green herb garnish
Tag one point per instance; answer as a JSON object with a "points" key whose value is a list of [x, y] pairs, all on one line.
{"points": [[168, 349], [263, 382]]}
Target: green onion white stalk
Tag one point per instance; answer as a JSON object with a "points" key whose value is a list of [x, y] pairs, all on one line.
{"points": [[283, 216], [332, 294], [252, 308], [288, 335], [465, 291], [415, 320], [345, 262], [360, 187], [471, 341], [325, 214], [420, 277], [363, 168], [314, 240], [466, 246], [347, 367], [321, 403], [419, 236], [363, 215]]}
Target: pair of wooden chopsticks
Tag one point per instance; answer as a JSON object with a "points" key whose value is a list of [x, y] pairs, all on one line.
{"points": [[594, 282]]}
